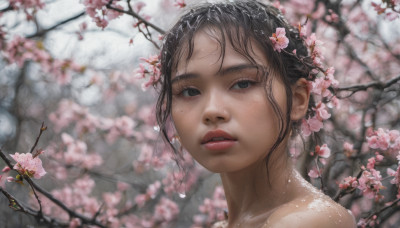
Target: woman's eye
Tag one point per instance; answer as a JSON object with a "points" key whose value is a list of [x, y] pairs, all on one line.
{"points": [[190, 92], [242, 84]]}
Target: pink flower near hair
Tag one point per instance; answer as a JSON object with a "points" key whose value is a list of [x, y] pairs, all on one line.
{"points": [[323, 151], [28, 165], [180, 3], [279, 39]]}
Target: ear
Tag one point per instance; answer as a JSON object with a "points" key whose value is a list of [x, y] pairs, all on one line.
{"points": [[301, 96]]}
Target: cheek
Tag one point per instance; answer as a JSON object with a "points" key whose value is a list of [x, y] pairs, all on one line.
{"points": [[181, 120]]}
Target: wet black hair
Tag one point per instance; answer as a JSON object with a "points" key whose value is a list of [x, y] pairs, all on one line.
{"points": [[239, 23]]}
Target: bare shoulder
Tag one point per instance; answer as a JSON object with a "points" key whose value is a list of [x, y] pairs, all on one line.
{"points": [[311, 211]]}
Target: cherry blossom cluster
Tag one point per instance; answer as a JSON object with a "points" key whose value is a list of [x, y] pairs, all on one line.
{"points": [[180, 182], [5, 176], [382, 139], [396, 176], [322, 83], [212, 209], [320, 90], [372, 222], [70, 112], [151, 193], [390, 8], [370, 181], [30, 7], [322, 153], [116, 83], [74, 152], [98, 11], [150, 69], [27, 164], [137, 8], [180, 3], [165, 211], [20, 49]]}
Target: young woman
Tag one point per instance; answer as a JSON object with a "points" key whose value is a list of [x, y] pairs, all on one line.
{"points": [[233, 100]]}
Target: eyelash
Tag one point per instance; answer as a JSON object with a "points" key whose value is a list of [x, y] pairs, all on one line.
{"points": [[241, 80], [183, 88]]}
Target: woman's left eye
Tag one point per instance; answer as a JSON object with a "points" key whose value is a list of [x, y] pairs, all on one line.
{"points": [[242, 84]]}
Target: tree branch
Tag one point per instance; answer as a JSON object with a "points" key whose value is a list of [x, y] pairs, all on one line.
{"points": [[42, 129], [374, 84], [17, 206], [71, 213], [44, 31], [137, 16]]}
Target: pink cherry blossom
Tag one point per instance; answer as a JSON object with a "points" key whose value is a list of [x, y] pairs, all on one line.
{"points": [[279, 39], [348, 183], [180, 3], [138, 6], [150, 70], [382, 139], [5, 169], [10, 179], [395, 175], [321, 112], [323, 151], [28, 165], [166, 210], [313, 173], [313, 124], [141, 200], [321, 86], [315, 47], [370, 183], [212, 209]]}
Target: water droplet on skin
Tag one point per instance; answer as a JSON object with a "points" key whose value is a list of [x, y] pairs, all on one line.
{"points": [[297, 206], [182, 195], [156, 128], [289, 181]]}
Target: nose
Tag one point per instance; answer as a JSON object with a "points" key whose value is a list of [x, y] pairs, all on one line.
{"points": [[215, 109]]}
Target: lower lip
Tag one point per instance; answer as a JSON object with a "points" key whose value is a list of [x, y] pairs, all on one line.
{"points": [[219, 145]]}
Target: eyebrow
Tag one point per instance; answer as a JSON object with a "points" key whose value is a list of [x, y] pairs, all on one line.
{"points": [[222, 72]]}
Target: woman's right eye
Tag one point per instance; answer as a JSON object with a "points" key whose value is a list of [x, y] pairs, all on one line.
{"points": [[190, 92]]}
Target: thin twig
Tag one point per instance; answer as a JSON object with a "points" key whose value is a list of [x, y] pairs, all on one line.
{"points": [[14, 204], [44, 31], [27, 210], [342, 192], [393, 204], [36, 195], [42, 129], [6, 160], [71, 213], [363, 87], [137, 16]]}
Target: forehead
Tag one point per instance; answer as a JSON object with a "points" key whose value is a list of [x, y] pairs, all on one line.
{"points": [[210, 48]]}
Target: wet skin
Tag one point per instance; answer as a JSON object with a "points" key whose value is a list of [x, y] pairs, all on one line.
{"points": [[225, 121]]}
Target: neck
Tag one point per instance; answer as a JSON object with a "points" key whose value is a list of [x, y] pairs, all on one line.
{"points": [[254, 193]]}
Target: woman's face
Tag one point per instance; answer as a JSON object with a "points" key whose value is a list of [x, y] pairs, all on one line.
{"points": [[223, 117]]}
